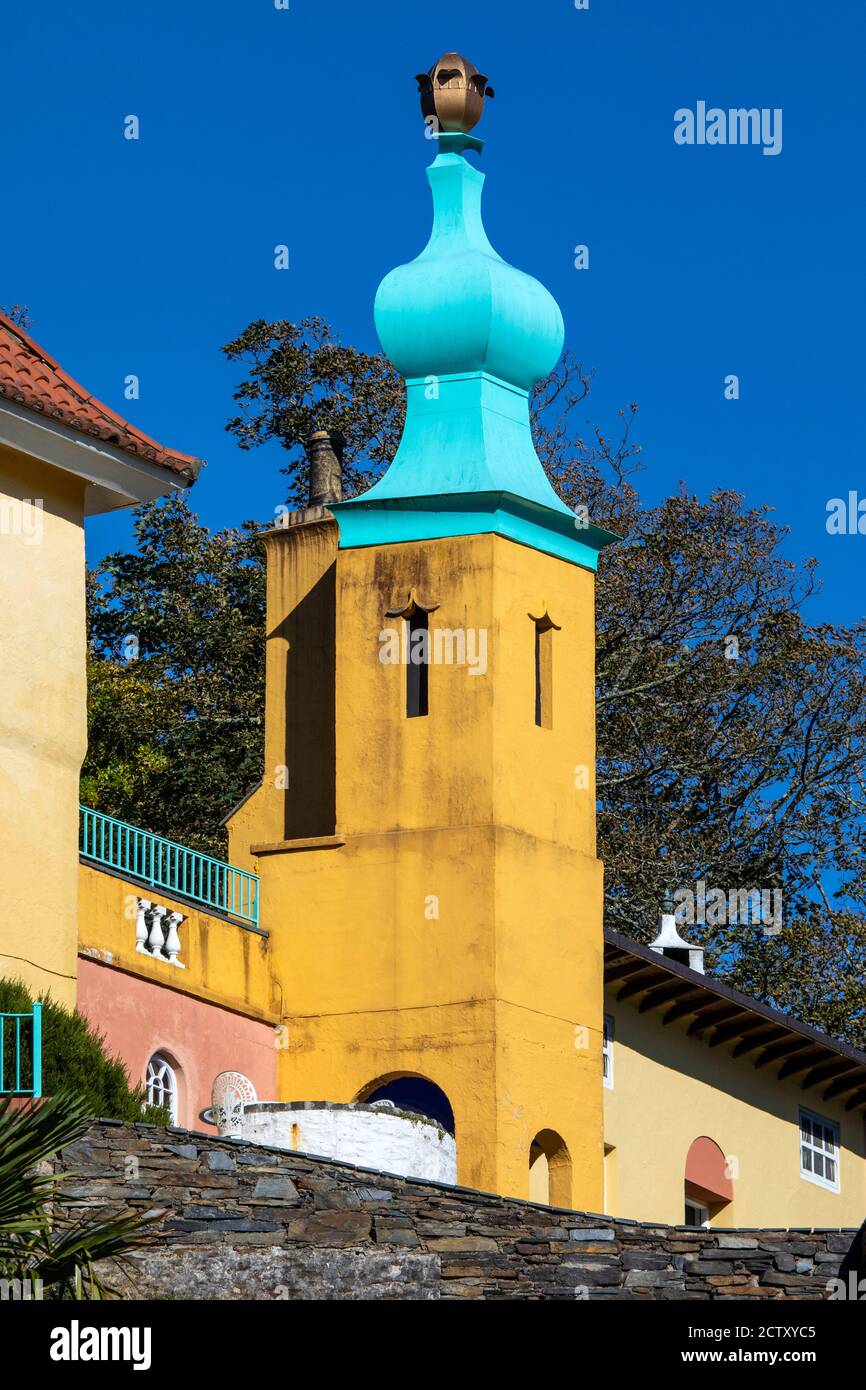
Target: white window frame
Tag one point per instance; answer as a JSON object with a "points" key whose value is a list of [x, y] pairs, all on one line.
{"points": [[820, 1149], [607, 1037], [151, 1080], [702, 1212]]}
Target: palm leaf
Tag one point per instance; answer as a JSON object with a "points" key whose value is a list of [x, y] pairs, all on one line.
{"points": [[67, 1258], [29, 1137], [36, 1242]]}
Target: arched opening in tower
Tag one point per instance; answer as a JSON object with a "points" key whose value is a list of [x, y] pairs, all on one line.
{"points": [[413, 1093], [550, 1170]]}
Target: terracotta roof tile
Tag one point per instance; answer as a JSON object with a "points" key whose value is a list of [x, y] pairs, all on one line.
{"points": [[30, 378]]}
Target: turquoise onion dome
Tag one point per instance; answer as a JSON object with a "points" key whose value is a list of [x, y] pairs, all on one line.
{"points": [[459, 307], [471, 336]]}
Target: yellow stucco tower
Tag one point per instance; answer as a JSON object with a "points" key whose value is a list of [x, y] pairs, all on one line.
{"points": [[425, 830]]}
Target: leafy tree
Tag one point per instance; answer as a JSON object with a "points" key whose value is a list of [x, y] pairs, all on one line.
{"points": [[814, 968], [177, 676], [730, 746], [128, 714], [730, 728], [74, 1059], [302, 380], [18, 313]]}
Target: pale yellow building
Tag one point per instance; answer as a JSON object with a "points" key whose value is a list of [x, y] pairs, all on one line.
{"points": [[720, 1110], [63, 456]]}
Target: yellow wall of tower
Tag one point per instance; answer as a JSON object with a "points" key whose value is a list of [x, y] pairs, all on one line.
{"points": [[431, 884]]}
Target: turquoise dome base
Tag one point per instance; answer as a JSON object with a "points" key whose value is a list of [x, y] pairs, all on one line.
{"points": [[464, 434], [471, 336], [401, 519]]}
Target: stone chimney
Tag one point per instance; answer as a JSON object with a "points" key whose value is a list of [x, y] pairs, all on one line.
{"points": [[325, 454], [669, 942]]}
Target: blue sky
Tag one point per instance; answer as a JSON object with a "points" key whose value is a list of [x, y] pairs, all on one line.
{"points": [[261, 126]]}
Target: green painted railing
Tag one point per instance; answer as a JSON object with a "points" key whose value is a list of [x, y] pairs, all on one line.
{"points": [[21, 1053], [161, 863]]}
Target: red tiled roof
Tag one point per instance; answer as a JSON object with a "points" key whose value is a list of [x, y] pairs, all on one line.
{"points": [[30, 378]]}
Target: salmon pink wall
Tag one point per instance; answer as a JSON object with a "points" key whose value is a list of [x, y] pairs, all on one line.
{"points": [[139, 1018], [707, 1171]]}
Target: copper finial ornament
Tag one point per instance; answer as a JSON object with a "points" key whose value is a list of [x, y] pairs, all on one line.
{"points": [[453, 93]]}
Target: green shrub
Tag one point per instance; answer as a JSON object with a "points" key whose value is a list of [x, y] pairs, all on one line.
{"points": [[74, 1058]]}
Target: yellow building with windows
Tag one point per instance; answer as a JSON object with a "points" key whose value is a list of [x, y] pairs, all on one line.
{"points": [[721, 1111]]}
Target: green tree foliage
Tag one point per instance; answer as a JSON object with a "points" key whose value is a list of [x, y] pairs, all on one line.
{"points": [[301, 379], [740, 763], [74, 1059], [18, 313], [730, 747], [176, 693]]}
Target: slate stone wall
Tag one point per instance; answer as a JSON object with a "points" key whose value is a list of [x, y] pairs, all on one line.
{"points": [[241, 1221]]}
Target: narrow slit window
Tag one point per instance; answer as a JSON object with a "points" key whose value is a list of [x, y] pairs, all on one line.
{"points": [[544, 674], [415, 651], [418, 663]]}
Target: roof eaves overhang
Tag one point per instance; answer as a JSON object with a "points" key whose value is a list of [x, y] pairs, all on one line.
{"points": [[114, 478], [722, 1015]]}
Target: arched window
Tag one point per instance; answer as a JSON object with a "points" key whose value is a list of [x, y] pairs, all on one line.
{"points": [[708, 1185], [550, 1170], [415, 650], [539, 1175], [418, 667], [161, 1085], [544, 630], [412, 1093]]}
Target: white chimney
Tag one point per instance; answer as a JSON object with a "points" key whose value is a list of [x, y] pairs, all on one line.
{"points": [[669, 942]]}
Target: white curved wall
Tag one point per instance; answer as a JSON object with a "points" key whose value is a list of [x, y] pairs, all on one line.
{"points": [[393, 1141]]}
